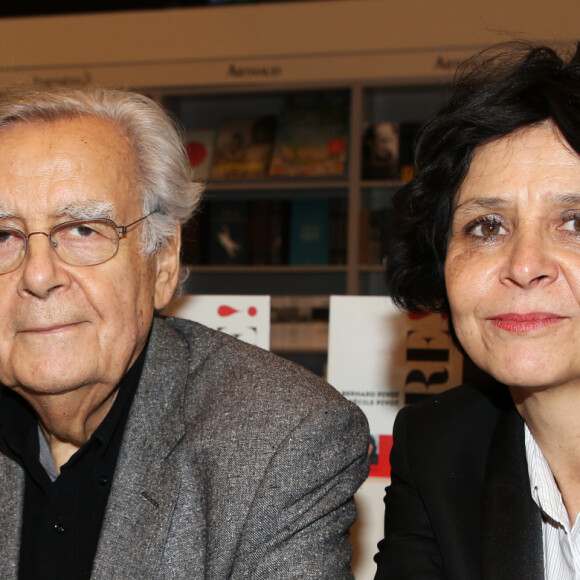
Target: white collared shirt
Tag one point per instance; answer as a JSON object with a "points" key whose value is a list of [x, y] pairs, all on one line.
{"points": [[561, 543]]}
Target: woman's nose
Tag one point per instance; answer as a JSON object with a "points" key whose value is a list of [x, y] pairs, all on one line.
{"points": [[529, 260]]}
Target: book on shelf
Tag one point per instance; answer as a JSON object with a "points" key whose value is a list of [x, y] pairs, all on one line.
{"points": [[244, 232], [194, 239], [299, 336], [259, 232], [268, 232], [364, 230], [388, 150], [338, 237], [279, 234], [408, 140], [380, 151], [312, 136], [299, 323], [309, 231], [199, 146], [228, 232], [244, 147], [373, 235]]}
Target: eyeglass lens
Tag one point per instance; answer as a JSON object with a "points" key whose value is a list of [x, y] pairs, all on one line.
{"points": [[78, 243]]}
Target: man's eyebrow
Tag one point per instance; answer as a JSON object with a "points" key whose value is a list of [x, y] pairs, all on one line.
{"points": [[92, 209], [6, 213], [86, 210]]}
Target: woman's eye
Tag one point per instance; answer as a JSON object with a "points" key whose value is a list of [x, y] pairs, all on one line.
{"points": [[487, 229], [572, 225]]}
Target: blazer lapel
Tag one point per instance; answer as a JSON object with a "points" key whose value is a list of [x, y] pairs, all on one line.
{"points": [[11, 498], [512, 529], [146, 484]]}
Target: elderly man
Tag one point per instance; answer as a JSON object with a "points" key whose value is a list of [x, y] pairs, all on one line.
{"points": [[134, 447]]}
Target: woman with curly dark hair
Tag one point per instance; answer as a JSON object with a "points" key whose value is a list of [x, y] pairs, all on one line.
{"points": [[486, 479]]}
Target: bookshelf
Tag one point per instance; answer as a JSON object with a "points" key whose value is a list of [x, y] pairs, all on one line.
{"points": [[354, 264], [352, 267]]}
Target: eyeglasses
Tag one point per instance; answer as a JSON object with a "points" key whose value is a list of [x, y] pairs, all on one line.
{"points": [[77, 242]]}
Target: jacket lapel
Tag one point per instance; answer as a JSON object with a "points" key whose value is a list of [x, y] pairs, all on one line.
{"points": [[512, 532], [11, 498], [146, 485]]}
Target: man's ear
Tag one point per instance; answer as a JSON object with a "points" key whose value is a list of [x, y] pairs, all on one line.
{"points": [[167, 265]]}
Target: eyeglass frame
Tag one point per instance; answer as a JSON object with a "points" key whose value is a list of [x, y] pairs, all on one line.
{"points": [[121, 231]]}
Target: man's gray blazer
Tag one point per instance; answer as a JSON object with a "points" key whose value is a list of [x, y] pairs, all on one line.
{"points": [[234, 464]]}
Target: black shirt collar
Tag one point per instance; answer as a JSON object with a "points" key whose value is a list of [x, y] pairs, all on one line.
{"points": [[19, 425]]}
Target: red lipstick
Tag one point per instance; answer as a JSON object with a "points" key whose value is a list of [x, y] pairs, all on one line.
{"points": [[512, 322]]}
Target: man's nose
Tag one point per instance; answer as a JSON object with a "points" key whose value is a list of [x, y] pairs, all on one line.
{"points": [[42, 269]]}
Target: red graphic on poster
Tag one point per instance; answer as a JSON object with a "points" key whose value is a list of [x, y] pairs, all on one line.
{"points": [[380, 464], [225, 310]]}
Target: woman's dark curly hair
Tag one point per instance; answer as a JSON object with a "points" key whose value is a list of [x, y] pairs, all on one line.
{"points": [[501, 90]]}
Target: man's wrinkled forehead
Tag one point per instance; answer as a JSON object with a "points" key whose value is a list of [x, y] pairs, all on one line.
{"points": [[115, 153]]}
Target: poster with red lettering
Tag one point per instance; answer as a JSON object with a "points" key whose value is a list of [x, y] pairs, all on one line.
{"points": [[382, 359], [245, 317]]}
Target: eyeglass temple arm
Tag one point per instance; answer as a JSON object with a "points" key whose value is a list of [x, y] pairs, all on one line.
{"points": [[123, 229]]}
